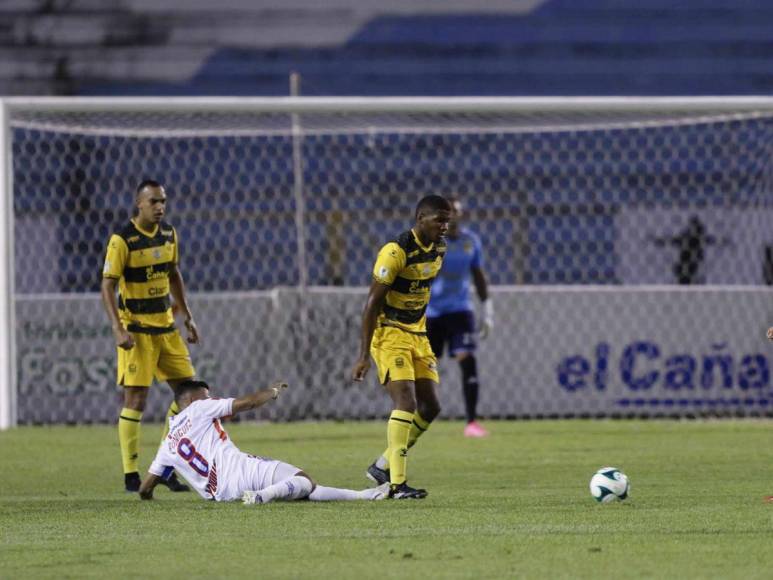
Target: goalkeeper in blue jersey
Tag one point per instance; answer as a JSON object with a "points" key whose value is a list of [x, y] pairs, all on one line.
{"points": [[450, 315]]}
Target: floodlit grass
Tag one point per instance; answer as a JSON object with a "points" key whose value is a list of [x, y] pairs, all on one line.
{"points": [[514, 505]]}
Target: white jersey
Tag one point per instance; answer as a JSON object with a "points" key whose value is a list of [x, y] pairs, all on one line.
{"points": [[199, 449]]}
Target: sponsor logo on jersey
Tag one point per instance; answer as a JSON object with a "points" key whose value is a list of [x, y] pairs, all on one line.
{"points": [[212, 481], [414, 288], [153, 275]]}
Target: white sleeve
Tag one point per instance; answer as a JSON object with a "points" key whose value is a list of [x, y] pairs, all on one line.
{"points": [[215, 408], [163, 463]]}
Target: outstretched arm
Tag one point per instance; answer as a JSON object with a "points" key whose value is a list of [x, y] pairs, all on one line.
{"points": [[373, 306], [258, 398], [148, 485]]}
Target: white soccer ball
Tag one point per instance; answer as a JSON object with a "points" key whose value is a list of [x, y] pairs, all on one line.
{"points": [[609, 484]]}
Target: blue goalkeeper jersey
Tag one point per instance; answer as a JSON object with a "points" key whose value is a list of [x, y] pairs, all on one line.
{"points": [[451, 289]]}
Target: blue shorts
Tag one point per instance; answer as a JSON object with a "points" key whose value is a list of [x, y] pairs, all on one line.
{"points": [[455, 328]]}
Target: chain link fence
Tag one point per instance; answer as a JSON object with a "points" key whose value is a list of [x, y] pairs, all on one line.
{"points": [[280, 216]]}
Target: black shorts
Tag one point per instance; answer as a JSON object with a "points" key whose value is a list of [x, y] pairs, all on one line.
{"points": [[455, 328]]}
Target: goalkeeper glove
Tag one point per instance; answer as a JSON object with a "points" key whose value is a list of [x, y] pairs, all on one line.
{"points": [[488, 318]]}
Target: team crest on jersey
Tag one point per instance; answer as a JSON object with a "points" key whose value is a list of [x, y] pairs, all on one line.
{"points": [[427, 269], [133, 239], [157, 254], [467, 247]]}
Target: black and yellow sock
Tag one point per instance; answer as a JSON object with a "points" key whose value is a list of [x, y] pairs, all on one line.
{"points": [[129, 438], [418, 427], [398, 431], [171, 412]]}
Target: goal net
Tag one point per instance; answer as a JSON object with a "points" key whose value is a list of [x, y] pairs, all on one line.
{"points": [[628, 241]]}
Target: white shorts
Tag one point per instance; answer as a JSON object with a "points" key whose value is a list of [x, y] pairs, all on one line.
{"points": [[268, 472]]}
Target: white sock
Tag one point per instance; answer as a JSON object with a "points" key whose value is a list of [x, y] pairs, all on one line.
{"points": [[381, 462], [295, 487], [322, 493]]}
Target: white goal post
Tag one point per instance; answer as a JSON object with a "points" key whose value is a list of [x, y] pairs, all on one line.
{"points": [[541, 208], [7, 351]]}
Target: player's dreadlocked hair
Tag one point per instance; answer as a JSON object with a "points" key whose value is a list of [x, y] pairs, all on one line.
{"points": [[433, 203]]}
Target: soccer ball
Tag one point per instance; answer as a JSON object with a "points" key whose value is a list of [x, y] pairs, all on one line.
{"points": [[609, 484]]}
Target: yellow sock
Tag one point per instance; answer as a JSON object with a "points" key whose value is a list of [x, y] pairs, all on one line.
{"points": [[129, 438], [418, 427], [398, 431], [171, 412]]}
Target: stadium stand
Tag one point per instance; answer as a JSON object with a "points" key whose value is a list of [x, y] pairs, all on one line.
{"points": [[557, 47], [345, 47]]}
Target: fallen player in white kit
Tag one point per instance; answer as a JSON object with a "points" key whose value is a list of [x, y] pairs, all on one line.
{"points": [[199, 449]]}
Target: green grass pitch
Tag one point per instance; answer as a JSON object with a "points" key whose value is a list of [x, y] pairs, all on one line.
{"points": [[515, 505]]}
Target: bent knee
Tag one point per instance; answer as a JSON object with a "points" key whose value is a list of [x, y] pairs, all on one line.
{"points": [[305, 475], [403, 394], [135, 398], [407, 403], [460, 356], [429, 411]]}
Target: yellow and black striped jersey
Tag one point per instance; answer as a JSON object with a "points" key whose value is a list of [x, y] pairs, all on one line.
{"points": [[141, 261], [408, 268]]}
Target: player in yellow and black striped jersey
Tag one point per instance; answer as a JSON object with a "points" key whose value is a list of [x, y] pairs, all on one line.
{"points": [[141, 261], [394, 333]]}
